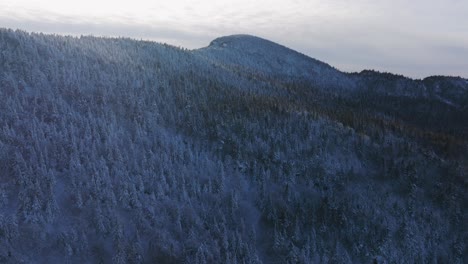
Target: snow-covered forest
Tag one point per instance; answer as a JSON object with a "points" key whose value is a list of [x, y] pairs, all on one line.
{"points": [[114, 150]]}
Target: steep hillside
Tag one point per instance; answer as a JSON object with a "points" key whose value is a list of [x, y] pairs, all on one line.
{"points": [[257, 57], [125, 151], [436, 105], [425, 109]]}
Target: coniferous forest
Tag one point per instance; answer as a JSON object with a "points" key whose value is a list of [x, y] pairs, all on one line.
{"points": [[114, 150]]}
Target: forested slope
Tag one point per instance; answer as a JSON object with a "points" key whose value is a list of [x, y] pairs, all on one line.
{"points": [[124, 151]]}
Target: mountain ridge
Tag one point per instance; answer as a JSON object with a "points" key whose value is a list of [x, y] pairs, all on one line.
{"points": [[274, 60], [125, 151], [223, 41]]}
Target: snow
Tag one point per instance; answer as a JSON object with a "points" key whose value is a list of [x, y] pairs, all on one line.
{"points": [[238, 152], [446, 101]]}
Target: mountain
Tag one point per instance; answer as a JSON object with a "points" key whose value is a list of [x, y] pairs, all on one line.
{"points": [[257, 57], [261, 56], [438, 105], [114, 150]]}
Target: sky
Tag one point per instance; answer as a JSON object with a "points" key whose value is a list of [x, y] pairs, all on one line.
{"points": [[415, 38]]}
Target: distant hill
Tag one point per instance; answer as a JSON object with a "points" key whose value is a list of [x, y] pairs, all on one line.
{"points": [[114, 150]]}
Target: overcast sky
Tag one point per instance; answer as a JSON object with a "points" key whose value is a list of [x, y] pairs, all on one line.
{"points": [[416, 38]]}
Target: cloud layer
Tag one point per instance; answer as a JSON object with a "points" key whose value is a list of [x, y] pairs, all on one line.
{"points": [[417, 38]]}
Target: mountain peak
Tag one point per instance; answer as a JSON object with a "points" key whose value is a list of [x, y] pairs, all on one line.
{"points": [[253, 45], [258, 54], [261, 56], [239, 39]]}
